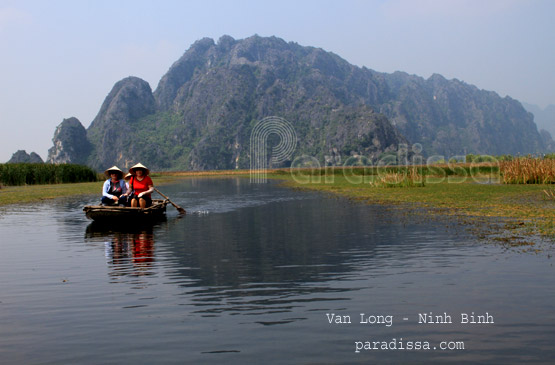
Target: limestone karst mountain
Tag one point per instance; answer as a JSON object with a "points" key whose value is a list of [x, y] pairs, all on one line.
{"points": [[204, 108], [22, 156], [70, 143]]}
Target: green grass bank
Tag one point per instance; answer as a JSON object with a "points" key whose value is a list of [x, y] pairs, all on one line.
{"points": [[479, 198], [22, 194], [471, 197]]}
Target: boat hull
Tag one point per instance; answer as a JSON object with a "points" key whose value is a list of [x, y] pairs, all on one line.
{"points": [[118, 214]]}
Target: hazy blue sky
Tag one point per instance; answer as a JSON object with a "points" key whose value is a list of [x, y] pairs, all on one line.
{"points": [[61, 58]]}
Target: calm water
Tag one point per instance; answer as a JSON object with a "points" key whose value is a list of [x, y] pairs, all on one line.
{"points": [[252, 274]]}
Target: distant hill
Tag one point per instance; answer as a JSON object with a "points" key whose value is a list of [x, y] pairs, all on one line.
{"points": [[70, 143], [204, 108], [22, 156]]}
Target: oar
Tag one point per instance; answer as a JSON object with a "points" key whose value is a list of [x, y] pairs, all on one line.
{"points": [[179, 209]]}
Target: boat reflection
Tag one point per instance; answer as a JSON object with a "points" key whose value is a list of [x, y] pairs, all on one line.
{"points": [[129, 250]]}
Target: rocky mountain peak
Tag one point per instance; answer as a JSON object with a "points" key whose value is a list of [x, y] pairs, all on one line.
{"points": [[182, 71], [70, 143], [225, 42], [21, 156], [110, 132], [129, 99], [205, 107]]}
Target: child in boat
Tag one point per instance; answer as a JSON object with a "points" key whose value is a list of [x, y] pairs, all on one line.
{"points": [[114, 189], [127, 178], [141, 186]]}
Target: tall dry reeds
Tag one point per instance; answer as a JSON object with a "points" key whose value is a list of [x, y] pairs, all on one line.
{"points": [[409, 178], [528, 170]]}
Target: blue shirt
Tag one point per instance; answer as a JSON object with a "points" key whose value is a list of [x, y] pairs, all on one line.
{"points": [[106, 188]]}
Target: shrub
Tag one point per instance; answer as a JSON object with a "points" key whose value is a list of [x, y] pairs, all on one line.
{"points": [[43, 173]]}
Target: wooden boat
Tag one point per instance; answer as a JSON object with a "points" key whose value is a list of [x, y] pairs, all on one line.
{"points": [[118, 214]]}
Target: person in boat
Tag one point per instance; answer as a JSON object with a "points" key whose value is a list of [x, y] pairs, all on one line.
{"points": [[141, 186], [114, 190], [127, 178]]}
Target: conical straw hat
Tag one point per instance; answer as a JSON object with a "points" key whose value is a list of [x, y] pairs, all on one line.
{"points": [[113, 168], [139, 166]]}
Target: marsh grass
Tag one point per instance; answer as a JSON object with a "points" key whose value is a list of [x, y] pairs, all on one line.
{"points": [[465, 190], [528, 170], [523, 204], [17, 174], [411, 178], [33, 193], [550, 194]]}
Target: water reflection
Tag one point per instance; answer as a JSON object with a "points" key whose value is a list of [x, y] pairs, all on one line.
{"points": [[268, 264], [130, 251], [277, 256]]}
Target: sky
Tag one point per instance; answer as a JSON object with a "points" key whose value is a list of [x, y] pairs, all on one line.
{"points": [[60, 59]]}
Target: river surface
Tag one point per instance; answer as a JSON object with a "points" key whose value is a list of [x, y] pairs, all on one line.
{"points": [[254, 274]]}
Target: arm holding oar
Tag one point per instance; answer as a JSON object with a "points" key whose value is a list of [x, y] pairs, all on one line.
{"points": [[179, 209]]}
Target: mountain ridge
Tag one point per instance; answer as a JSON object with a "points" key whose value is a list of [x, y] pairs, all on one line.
{"points": [[203, 109]]}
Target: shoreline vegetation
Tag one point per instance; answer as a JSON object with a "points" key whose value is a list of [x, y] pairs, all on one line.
{"points": [[17, 174], [522, 211], [30, 193], [517, 194], [513, 200]]}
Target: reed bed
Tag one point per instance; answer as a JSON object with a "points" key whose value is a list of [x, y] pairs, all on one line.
{"points": [[16, 174], [550, 193], [458, 169], [411, 178], [528, 171]]}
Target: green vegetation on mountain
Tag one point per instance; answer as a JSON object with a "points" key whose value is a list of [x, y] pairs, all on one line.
{"points": [[202, 113]]}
